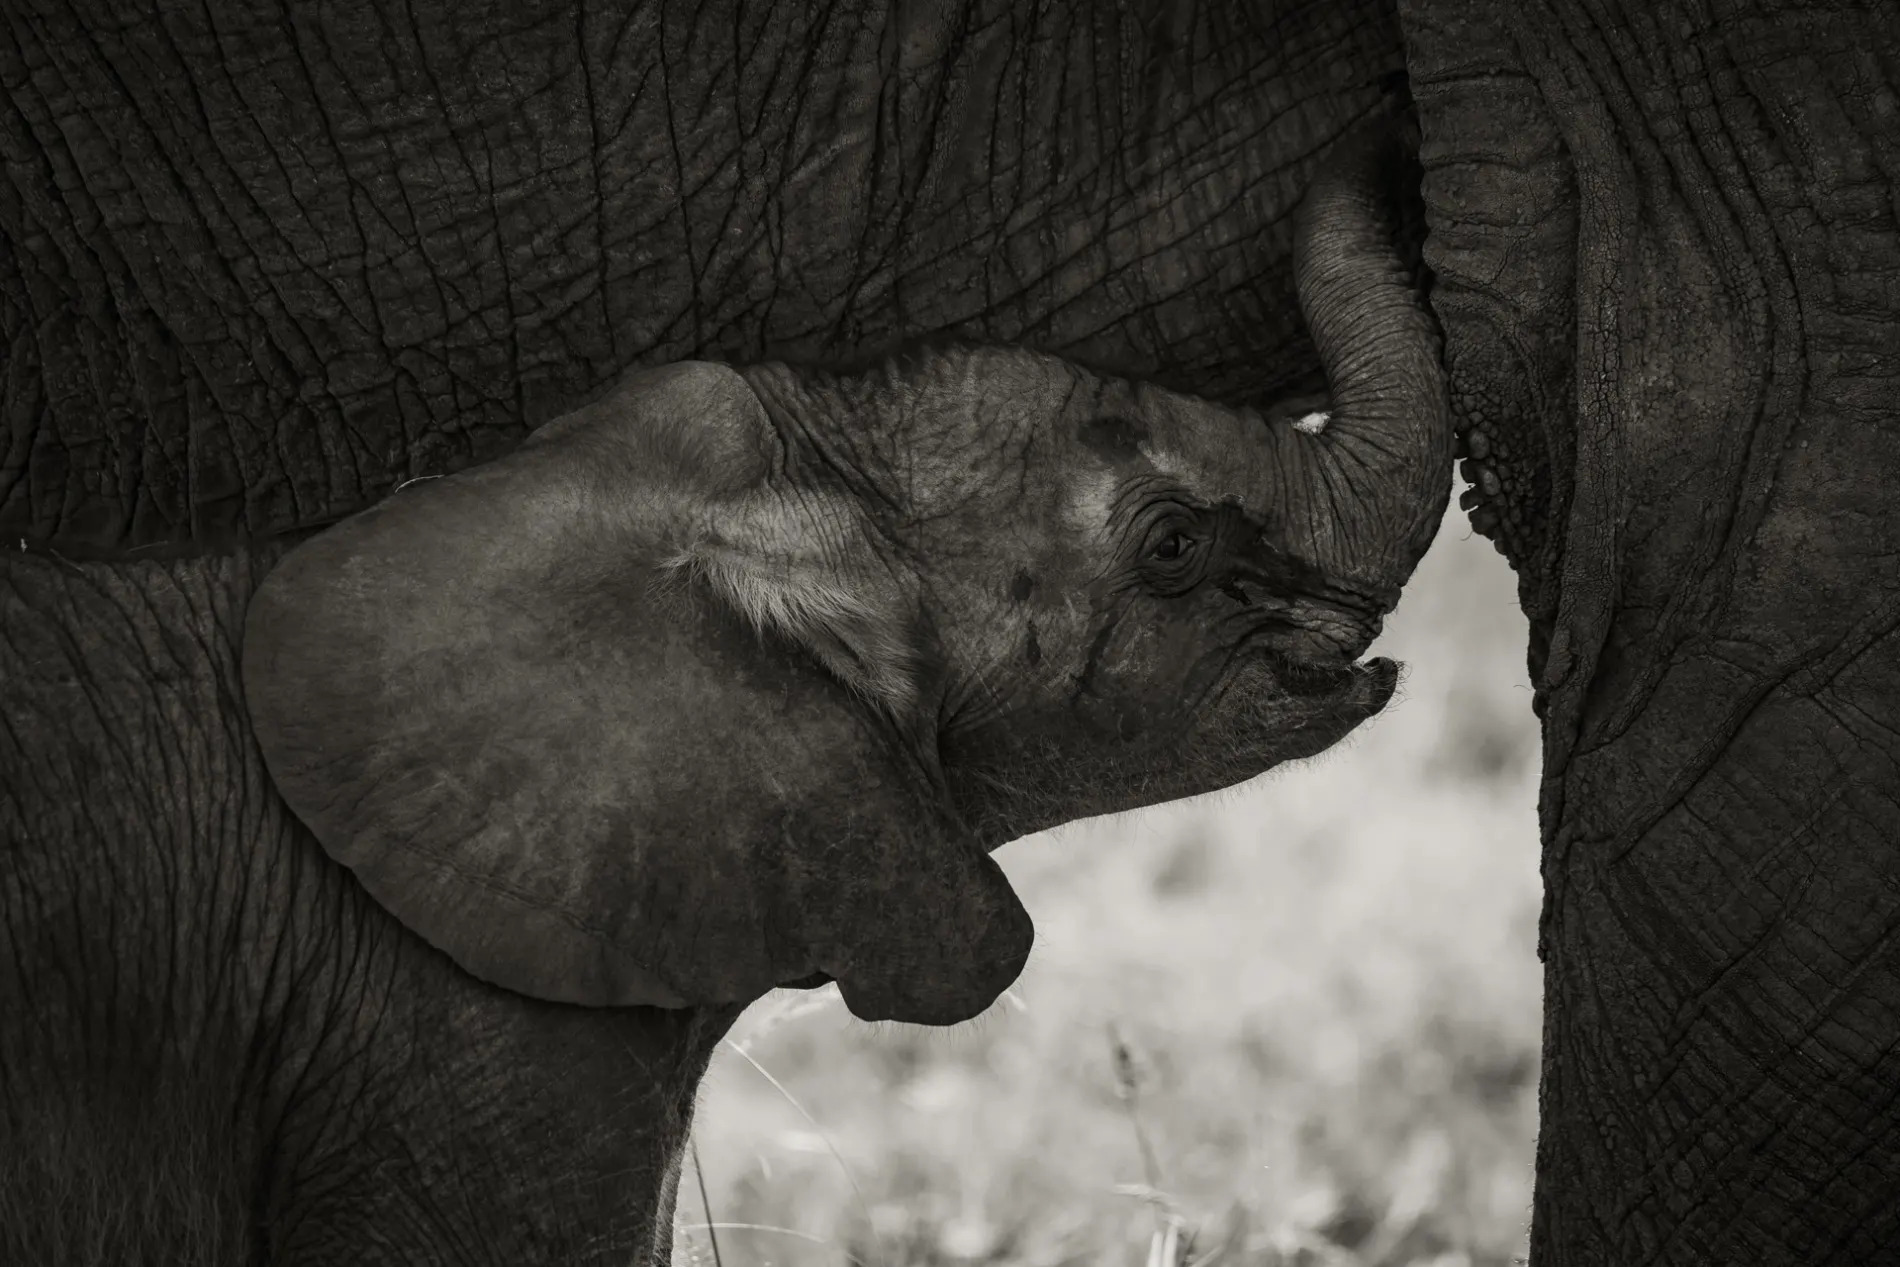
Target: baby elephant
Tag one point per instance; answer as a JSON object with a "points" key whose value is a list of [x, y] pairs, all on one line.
{"points": [[733, 678]]}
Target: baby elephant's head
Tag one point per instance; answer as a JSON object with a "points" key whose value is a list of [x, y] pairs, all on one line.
{"points": [[732, 678], [1075, 593]]}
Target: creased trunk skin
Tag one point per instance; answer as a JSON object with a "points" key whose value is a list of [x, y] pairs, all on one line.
{"points": [[1669, 269], [258, 265], [1367, 493]]}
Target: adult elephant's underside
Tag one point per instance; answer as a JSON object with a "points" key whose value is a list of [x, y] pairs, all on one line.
{"points": [[1669, 266], [258, 265]]}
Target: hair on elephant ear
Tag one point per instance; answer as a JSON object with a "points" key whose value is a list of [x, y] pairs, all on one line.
{"points": [[777, 562], [584, 719]]}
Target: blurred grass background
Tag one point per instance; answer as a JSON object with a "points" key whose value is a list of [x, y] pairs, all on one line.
{"points": [[1295, 1023]]}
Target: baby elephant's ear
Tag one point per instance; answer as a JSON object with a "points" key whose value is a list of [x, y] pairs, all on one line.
{"points": [[579, 769]]}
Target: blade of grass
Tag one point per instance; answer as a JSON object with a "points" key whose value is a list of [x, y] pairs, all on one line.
{"points": [[823, 1134], [781, 1231], [1128, 1084], [1165, 1247], [705, 1203]]}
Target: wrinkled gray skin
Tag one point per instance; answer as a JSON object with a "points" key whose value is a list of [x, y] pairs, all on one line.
{"points": [[1668, 263], [254, 276], [260, 265], [728, 680]]}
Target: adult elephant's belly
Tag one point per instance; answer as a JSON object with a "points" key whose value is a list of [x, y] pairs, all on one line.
{"points": [[260, 270], [213, 1046]]}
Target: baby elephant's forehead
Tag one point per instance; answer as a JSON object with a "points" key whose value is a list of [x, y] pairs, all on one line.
{"points": [[1090, 506], [1149, 435], [1115, 436]]}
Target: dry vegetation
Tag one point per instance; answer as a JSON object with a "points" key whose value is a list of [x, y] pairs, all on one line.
{"points": [[1292, 1024]]}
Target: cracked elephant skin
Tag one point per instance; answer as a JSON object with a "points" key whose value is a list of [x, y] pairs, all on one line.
{"points": [[259, 267], [1666, 240]]}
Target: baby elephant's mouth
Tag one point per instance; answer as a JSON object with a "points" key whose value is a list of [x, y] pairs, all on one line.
{"points": [[1376, 678]]}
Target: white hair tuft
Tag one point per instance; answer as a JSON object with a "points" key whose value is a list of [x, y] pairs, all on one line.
{"points": [[771, 564]]}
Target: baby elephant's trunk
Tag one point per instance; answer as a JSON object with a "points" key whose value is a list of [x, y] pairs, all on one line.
{"points": [[1380, 469]]}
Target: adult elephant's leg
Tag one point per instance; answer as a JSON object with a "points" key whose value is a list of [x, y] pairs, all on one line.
{"points": [[258, 265], [1669, 267]]}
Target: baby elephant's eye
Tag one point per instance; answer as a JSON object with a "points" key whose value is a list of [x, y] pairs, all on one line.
{"points": [[1173, 546]]}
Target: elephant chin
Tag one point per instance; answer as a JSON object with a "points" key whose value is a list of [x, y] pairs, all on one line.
{"points": [[919, 1000]]}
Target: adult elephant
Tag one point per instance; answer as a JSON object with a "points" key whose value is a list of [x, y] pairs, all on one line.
{"points": [[1667, 240], [259, 268]]}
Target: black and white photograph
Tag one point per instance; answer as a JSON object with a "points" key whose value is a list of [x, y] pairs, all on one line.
{"points": [[934, 633]]}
